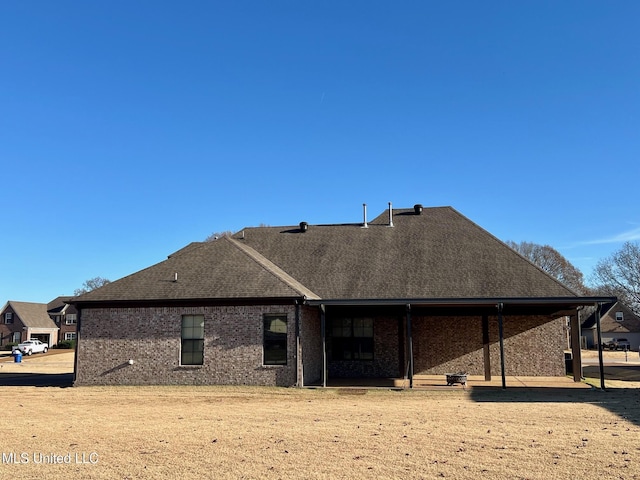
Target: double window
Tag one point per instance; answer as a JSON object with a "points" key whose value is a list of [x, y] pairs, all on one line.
{"points": [[71, 318], [352, 339], [192, 335], [70, 335], [275, 339]]}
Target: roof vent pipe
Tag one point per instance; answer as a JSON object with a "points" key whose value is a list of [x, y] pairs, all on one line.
{"points": [[417, 208], [390, 215], [304, 226], [364, 213]]}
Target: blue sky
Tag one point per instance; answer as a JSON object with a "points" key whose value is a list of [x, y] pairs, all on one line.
{"points": [[130, 129]]}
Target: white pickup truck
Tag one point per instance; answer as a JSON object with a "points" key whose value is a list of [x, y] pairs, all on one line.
{"points": [[32, 346]]}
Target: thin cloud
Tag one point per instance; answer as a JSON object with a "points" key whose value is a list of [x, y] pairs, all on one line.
{"points": [[628, 236]]}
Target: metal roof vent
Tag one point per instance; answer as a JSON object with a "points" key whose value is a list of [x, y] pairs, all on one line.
{"points": [[364, 214], [304, 226], [417, 209], [390, 215]]}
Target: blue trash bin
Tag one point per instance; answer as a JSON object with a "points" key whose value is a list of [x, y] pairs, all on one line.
{"points": [[17, 356]]}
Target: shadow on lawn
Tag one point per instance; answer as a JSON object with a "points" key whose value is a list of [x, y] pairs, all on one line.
{"points": [[624, 402], [36, 379]]}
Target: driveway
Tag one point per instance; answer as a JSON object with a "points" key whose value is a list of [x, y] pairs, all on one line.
{"points": [[51, 369]]}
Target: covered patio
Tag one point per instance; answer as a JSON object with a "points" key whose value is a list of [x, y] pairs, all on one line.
{"points": [[491, 318]]}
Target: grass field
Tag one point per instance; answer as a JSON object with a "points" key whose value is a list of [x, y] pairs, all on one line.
{"points": [[233, 432], [248, 432]]}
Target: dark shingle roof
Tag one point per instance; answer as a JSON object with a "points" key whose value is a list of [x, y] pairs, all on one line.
{"points": [[222, 269], [438, 254], [57, 304]]}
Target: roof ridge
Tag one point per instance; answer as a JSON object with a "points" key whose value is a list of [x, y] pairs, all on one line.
{"points": [[272, 268]]}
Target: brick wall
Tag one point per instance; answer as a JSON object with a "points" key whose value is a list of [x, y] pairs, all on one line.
{"points": [[533, 346], [233, 347], [64, 328], [233, 342], [8, 329]]}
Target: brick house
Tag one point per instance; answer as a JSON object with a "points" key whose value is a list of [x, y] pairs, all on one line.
{"points": [[414, 291], [65, 316], [22, 321], [617, 321]]}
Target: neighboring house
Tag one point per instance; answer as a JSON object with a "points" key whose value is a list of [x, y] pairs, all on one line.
{"points": [[414, 291], [65, 316], [22, 321], [617, 321]]}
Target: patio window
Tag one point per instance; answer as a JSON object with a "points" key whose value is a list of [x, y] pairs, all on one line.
{"points": [[352, 339], [275, 339], [192, 351]]}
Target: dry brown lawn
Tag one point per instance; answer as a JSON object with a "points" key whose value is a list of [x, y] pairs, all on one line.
{"points": [[234, 432], [246, 432]]}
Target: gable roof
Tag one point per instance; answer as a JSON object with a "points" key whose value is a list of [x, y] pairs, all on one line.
{"points": [[32, 315], [435, 254], [608, 322]]}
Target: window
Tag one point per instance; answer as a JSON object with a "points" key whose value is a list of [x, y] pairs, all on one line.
{"points": [[275, 339], [70, 335], [192, 351], [619, 317], [352, 339], [8, 317], [71, 319], [16, 337]]}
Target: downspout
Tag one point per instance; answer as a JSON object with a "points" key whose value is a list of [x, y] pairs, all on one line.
{"points": [[600, 359]]}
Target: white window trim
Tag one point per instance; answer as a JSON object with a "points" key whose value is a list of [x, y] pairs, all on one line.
{"points": [[8, 316], [68, 336]]}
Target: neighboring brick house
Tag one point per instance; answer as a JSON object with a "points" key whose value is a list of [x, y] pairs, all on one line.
{"points": [[414, 291], [65, 316], [617, 321], [22, 321]]}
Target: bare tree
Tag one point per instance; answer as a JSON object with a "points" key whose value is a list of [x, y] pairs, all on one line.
{"points": [[552, 262], [91, 284], [619, 275]]}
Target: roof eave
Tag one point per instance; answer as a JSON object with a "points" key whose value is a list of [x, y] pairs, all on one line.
{"points": [[457, 302], [188, 302]]}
